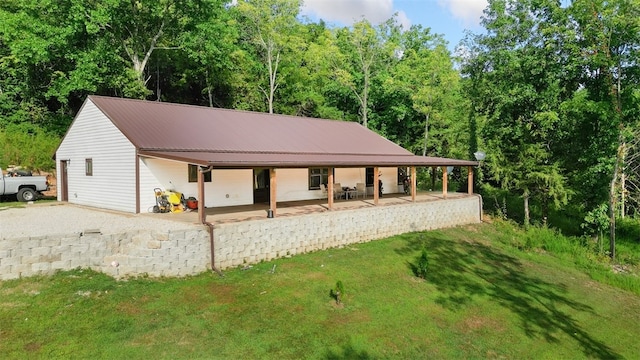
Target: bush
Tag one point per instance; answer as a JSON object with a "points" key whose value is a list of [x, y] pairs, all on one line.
{"points": [[422, 264], [628, 229], [338, 292]]}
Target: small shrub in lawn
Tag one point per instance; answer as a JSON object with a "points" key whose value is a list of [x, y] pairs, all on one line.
{"points": [[338, 292], [422, 264]]}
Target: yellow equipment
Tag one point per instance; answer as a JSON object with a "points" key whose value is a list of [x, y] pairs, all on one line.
{"points": [[169, 201], [176, 201]]}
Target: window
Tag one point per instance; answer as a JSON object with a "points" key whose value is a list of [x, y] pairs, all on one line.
{"points": [[88, 167], [318, 176], [193, 174]]}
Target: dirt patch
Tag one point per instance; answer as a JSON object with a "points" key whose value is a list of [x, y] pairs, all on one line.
{"points": [[223, 294]]}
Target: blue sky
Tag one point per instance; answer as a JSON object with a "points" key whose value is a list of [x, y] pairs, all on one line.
{"points": [[447, 17]]}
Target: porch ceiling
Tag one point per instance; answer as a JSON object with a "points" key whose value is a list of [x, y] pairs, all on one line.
{"points": [[299, 160]]}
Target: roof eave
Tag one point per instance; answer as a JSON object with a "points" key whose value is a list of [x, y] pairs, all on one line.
{"points": [[380, 161]]}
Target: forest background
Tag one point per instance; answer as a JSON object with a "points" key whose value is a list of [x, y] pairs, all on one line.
{"points": [[550, 90]]}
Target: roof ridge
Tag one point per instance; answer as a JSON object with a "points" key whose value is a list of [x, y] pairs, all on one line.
{"points": [[208, 151]]}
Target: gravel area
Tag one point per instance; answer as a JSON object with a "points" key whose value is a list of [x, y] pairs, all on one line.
{"points": [[58, 218]]}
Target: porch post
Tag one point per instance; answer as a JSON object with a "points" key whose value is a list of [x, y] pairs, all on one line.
{"points": [[272, 190], [330, 188], [376, 187], [470, 179], [201, 214], [413, 184], [445, 179]]}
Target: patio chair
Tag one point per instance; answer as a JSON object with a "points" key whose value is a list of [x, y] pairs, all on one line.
{"points": [[325, 192], [361, 189], [338, 193]]}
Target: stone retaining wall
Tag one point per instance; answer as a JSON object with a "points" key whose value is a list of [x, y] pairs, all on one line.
{"points": [[187, 252], [176, 253], [254, 241]]}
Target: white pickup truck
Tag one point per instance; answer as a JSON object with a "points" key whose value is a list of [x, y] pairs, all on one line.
{"points": [[22, 184]]}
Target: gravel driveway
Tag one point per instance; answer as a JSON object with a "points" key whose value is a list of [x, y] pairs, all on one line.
{"points": [[61, 218]]}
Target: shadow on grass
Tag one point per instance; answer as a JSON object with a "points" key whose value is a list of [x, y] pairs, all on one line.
{"points": [[348, 351], [465, 270]]}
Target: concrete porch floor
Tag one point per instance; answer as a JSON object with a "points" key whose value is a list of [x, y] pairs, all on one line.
{"points": [[229, 214]]}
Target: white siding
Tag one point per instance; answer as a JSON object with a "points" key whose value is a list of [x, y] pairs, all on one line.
{"points": [[112, 186], [235, 187], [351, 176], [228, 187], [148, 182], [293, 184], [389, 179]]}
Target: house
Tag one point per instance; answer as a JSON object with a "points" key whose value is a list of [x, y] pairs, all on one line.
{"points": [[117, 151]]}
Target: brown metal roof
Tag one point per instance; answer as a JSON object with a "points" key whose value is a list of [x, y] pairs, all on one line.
{"points": [[230, 138]]}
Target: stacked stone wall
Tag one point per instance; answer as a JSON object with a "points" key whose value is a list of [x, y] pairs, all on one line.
{"points": [[254, 241], [176, 253], [187, 252]]}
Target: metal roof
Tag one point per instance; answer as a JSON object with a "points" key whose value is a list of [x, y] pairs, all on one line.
{"points": [[233, 139]]}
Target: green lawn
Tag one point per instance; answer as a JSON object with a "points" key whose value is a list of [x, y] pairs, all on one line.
{"points": [[481, 299]]}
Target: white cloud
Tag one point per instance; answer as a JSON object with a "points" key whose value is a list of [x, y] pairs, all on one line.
{"points": [[468, 11], [349, 11]]}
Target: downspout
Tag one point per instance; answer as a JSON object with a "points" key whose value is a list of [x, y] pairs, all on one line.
{"points": [[208, 224]]}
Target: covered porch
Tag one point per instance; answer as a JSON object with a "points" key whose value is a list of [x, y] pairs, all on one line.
{"points": [[234, 214], [272, 208]]}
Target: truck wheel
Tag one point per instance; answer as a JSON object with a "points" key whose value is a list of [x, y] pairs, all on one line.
{"points": [[26, 194]]}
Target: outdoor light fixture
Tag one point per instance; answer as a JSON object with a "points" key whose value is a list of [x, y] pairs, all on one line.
{"points": [[480, 155]]}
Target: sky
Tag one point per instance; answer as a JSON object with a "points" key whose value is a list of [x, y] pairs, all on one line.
{"points": [[449, 18]]}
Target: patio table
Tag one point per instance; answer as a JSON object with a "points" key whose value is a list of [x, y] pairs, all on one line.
{"points": [[349, 193]]}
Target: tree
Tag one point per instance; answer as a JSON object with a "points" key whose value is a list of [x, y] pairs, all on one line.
{"points": [[426, 71], [366, 50], [610, 36], [210, 49], [517, 72], [309, 77], [270, 27]]}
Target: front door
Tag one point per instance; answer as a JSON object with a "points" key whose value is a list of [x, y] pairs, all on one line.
{"points": [[64, 190], [261, 190]]}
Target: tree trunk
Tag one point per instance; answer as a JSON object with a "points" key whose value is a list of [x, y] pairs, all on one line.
{"points": [[426, 134], [209, 88], [622, 193], [525, 197], [365, 99], [612, 205]]}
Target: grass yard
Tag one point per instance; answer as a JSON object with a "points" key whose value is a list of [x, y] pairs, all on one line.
{"points": [[481, 299]]}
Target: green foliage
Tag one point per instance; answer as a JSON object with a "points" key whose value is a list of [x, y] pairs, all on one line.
{"points": [[552, 129], [550, 91], [582, 251], [28, 146], [337, 293], [628, 229], [596, 222], [422, 264], [483, 297]]}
